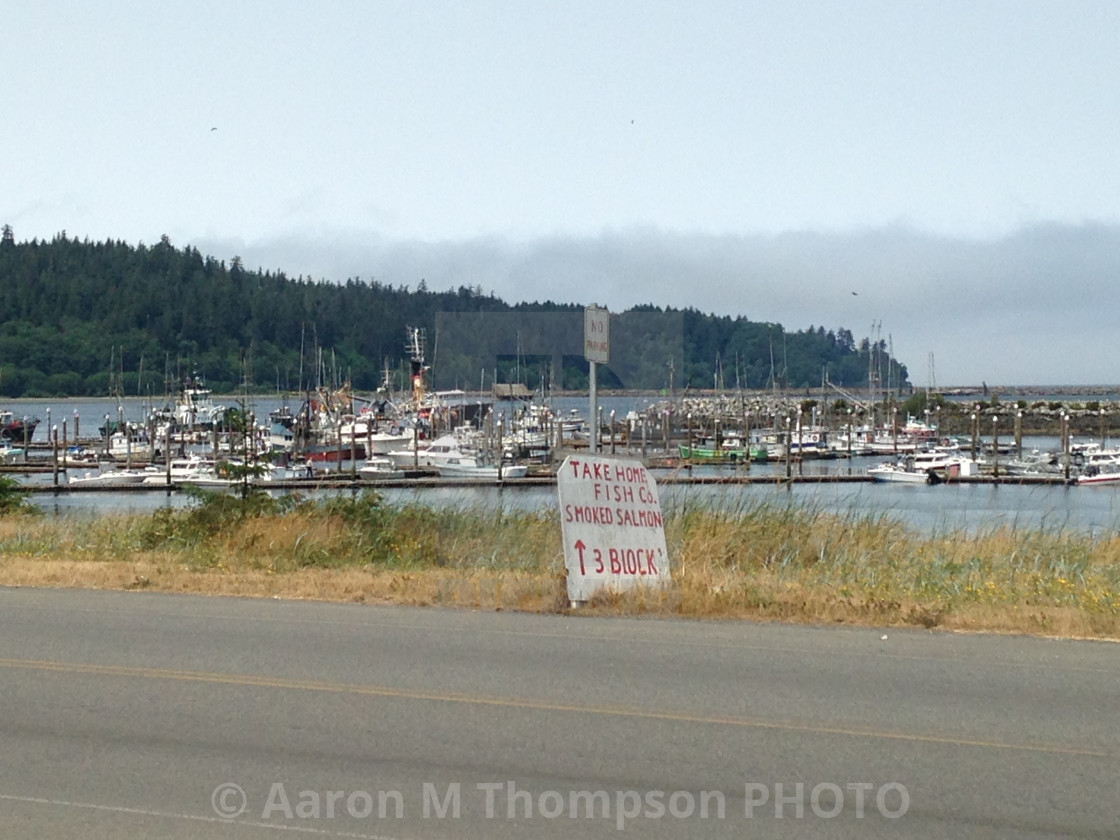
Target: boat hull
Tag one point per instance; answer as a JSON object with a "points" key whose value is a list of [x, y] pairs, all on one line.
{"points": [[891, 473], [483, 473], [17, 431]]}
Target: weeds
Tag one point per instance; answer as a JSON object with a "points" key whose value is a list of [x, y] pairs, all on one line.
{"points": [[13, 497], [782, 562]]}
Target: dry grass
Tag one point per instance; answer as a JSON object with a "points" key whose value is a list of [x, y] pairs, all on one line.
{"points": [[765, 563]]}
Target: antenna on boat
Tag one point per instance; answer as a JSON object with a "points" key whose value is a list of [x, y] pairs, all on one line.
{"points": [[890, 364], [415, 346]]}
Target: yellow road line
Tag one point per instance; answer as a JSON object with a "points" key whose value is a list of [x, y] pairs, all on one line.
{"points": [[523, 704]]}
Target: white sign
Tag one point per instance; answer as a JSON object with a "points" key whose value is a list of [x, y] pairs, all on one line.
{"points": [[610, 519], [597, 335]]}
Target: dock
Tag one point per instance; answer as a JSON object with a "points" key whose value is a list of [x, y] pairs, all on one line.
{"points": [[415, 479]]}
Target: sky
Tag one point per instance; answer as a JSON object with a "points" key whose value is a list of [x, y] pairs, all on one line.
{"points": [[941, 175]]}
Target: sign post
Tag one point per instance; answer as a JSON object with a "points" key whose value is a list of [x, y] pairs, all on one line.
{"points": [[613, 532], [596, 350]]}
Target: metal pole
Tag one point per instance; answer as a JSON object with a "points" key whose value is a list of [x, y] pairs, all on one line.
{"points": [[789, 449], [500, 451], [1065, 442], [747, 437], [593, 387], [849, 441], [995, 447], [800, 447]]}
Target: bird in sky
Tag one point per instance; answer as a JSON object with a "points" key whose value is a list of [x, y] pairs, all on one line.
{"points": [[215, 128]]}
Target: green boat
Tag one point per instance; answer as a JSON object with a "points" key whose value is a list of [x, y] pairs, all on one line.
{"points": [[730, 452]]}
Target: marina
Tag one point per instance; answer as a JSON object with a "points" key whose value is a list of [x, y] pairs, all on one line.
{"points": [[726, 452], [972, 505]]}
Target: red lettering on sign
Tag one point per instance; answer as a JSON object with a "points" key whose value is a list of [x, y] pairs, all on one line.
{"points": [[629, 561], [639, 518], [616, 562], [630, 474], [588, 514]]}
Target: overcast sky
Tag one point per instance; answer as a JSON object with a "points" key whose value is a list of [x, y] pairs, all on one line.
{"points": [[947, 170]]}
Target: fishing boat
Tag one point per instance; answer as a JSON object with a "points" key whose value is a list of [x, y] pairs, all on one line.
{"points": [[129, 443], [730, 449], [195, 407], [17, 429], [801, 442]]}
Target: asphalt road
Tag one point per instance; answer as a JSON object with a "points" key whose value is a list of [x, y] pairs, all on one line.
{"points": [[135, 715]]}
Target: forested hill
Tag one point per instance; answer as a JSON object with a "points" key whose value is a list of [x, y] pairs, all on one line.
{"points": [[80, 318]]}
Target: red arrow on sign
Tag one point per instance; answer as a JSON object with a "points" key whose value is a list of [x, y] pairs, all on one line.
{"points": [[580, 547]]}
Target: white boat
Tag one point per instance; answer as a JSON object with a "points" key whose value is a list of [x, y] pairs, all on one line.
{"points": [[377, 468], [109, 478], [467, 466], [195, 408], [376, 436], [210, 478], [926, 467], [1098, 466], [10, 454], [1102, 474], [181, 469], [131, 445], [220, 475], [438, 452], [841, 444], [1034, 462], [899, 473]]}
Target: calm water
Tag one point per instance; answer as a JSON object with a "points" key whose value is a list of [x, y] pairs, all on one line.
{"points": [[1093, 510]]}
